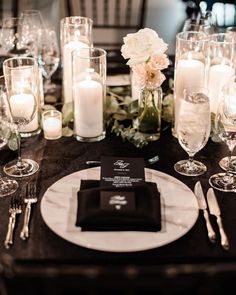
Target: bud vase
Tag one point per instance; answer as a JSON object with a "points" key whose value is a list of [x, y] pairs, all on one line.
{"points": [[149, 113]]}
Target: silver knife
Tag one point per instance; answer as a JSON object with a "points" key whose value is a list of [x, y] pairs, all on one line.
{"points": [[215, 210], [202, 205]]}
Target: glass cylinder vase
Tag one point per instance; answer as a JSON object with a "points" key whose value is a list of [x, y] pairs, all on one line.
{"points": [[75, 33], [149, 113], [190, 65], [221, 66], [89, 92]]}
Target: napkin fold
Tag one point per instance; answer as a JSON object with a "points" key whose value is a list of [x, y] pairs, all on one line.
{"points": [[135, 208]]}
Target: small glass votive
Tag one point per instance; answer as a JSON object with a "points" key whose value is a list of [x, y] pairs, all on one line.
{"points": [[52, 124]]}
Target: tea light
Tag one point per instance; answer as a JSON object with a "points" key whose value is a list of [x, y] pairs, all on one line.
{"points": [[88, 108], [67, 67], [218, 76], [52, 124]]}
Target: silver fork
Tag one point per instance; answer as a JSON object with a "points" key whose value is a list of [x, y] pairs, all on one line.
{"points": [[30, 198], [14, 209]]}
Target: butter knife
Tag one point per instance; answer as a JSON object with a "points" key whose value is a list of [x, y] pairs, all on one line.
{"points": [[215, 210], [202, 205]]}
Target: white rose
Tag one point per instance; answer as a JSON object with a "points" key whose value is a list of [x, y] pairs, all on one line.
{"points": [[138, 47]]}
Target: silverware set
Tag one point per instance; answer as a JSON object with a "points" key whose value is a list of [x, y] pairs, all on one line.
{"points": [[16, 208], [214, 210]]}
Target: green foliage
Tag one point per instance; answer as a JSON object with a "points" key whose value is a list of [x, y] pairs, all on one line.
{"points": [[8, 131]]}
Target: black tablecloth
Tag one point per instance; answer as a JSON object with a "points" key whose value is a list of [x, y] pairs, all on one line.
{"points": [[66, 155], [45, 254]]}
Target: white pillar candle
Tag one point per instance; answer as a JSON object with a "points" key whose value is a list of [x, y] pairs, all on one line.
{"points": [[22, 106], [67, 67], [52, 127], [218, 76], [88, 108], [189, 73]]}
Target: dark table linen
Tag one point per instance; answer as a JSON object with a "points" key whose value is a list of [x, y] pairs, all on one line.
{"points": [[66, 155]]}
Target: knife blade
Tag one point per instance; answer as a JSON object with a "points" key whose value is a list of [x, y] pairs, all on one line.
{"points": [[215, 210], [202, 205]]}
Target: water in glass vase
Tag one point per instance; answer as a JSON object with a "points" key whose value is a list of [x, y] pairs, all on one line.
{"points": [[149, 115]]}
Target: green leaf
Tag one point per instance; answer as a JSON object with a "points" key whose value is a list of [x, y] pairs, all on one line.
{"points": [[67, 132], [13, 142], [67, 113], [215, 129], [168, 108]]}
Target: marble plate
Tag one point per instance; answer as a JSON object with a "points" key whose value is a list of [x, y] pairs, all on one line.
{"points": [[179, 211]]}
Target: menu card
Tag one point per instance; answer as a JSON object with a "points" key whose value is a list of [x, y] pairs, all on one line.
{"points": [[122, 172]]}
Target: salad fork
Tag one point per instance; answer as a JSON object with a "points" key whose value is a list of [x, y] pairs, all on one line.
{"points": [[14, 209], [30, 198]]}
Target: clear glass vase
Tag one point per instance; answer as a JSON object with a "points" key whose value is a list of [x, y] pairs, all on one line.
{"points": [[149, 113]]}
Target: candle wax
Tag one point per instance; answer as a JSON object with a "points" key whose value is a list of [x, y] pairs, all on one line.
{"points": [[52, 128], [88, 109], [67, 67], [218, 76]]}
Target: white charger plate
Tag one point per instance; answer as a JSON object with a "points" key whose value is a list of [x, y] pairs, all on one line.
{"points": [[179, 212]]}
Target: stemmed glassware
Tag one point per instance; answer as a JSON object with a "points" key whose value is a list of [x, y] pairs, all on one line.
{"points": [[13, 40], [21, 76], [204, 22], [7, 185], [48, 57], [32, 25], [224, 162], [226, 128], [193, 129]]}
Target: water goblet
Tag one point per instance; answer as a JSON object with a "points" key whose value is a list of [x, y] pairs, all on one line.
{"points": [[48, 57], [32, 25], [7, 185], [193, 129], [226, 129], [193, 25], [227, 162], [21, 78], [13, 40]]}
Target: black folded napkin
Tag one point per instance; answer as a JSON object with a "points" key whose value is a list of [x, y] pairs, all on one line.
{"points": [[135, 208]]}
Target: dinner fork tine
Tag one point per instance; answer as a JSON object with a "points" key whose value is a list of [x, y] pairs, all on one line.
{"points": [[30, 198], [14, 209]]}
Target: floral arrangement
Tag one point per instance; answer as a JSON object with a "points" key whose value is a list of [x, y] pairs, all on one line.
{"points": [[146, 53]]}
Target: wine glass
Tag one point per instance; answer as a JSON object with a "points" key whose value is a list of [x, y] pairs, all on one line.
{"points": [[13, 40], [193, 129], [48, 57], [21, 76], [7, 185], [224, 162], [204, 22], [193, 25], [32, 25], [226, 128]]}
